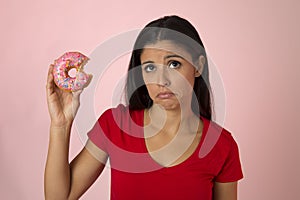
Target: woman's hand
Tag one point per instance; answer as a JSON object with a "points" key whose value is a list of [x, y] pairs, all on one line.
{"points": [[62, 105]]}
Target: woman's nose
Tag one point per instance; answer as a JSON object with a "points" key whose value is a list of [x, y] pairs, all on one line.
{"points": [[163, 78]]}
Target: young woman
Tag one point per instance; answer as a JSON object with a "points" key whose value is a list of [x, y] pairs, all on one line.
{"points": [[154, 143]]}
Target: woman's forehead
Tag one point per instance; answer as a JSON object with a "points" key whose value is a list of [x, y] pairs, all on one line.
{"points": [[165, 47]]}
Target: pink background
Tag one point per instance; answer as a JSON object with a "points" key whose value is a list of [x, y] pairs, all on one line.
{"points": [[255, 45]]}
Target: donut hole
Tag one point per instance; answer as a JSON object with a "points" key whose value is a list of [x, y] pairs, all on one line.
{"points": [[72, 73]]}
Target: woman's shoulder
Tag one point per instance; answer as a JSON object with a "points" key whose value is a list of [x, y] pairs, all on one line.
{"points": [[121, 108], [216, 129], [121, 112], [215, 137]]}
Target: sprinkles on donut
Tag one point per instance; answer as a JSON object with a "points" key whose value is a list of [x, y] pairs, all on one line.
{"points": [[62, 66]]}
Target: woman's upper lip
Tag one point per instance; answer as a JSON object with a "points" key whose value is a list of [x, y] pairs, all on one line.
{"points": [[165, 93]]}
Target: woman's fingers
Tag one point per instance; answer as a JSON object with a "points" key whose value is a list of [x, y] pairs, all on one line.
{"points": [[76, 97], [76, 100], [77, 93], [50, 82], [62, 98]]}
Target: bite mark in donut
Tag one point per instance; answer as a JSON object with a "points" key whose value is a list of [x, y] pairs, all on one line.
{"points": [[64, 64]]}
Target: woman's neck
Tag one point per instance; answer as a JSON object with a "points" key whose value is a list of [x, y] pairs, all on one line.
{"points": [[168, 120]]}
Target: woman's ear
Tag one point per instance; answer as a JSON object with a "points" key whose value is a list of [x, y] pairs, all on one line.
{"points": [[200, 65]]}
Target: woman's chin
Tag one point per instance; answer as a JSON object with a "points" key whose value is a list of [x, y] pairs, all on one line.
{"points": [[169, 105]]}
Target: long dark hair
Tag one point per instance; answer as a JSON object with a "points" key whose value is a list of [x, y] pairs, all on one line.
{"points": [[180, 31]]}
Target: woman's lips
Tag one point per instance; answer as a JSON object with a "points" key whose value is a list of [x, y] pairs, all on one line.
{"points": [[165, 95]]}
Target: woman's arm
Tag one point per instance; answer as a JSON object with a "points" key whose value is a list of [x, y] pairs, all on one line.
{"points": [[57, 171], [85, 169], [225, 191], [64, 180], [70, 181]]}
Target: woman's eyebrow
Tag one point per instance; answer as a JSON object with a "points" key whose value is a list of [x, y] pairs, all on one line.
{"points": [[165, 58], [173, 55], [146, 62]]}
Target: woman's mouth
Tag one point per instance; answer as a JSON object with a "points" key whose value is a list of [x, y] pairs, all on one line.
{"points": [[165, 95]]}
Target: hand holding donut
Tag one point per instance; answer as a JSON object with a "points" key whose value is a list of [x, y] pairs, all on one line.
{"points": [[63, 91]]}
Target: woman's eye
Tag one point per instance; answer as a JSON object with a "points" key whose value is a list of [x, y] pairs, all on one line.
{"points": [[149, 68], [174, 64]]}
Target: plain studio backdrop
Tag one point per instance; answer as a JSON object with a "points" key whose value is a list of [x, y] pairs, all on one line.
{"points": [[254, 45]]}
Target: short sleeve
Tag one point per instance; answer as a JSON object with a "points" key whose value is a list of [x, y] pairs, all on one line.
{"points": [[231, 170], [98, 134]]}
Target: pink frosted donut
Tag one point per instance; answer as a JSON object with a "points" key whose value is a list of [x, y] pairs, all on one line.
{"points": [[64, 64]]}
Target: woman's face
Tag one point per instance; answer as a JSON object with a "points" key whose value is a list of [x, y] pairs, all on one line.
{"points": [[168, 73]]}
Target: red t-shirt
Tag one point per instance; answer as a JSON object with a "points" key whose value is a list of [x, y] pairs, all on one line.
{"points": [[135, 175]]}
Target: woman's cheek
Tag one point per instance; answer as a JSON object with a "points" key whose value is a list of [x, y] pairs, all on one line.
{"points": [[151, 90]]}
